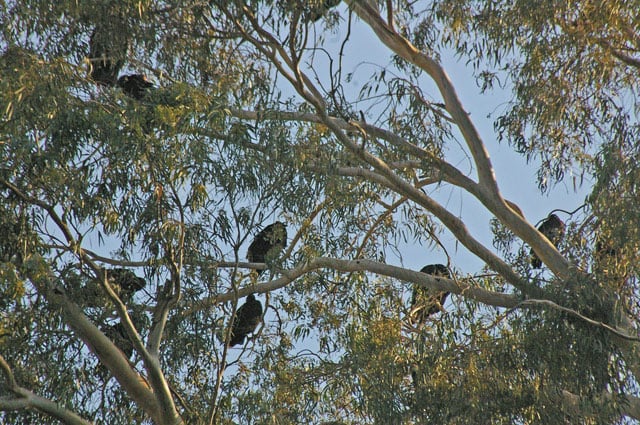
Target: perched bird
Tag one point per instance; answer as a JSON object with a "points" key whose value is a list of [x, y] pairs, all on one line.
{"points": [[319, 8], [125, 282], [120, 339], [425, 301], [553, 229], [134, 85], [268, 244], [609, 263], [246, 320], [106, 54]]}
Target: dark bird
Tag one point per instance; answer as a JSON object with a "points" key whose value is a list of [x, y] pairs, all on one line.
{"points": [[246, 320], [135, 85], [107, 50], [117, 334], [125, 282], [120, 339], [425, 301], [268, 244], [553, 229], [320, 8]]}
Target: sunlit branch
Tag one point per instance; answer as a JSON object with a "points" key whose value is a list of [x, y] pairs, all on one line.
{"points": [[391, 180], [95, 339], [407, 51], [479, 294], [491, 195], [108, 353]]}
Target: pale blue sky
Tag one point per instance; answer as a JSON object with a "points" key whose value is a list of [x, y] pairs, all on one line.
{"points": [[516, 178]]}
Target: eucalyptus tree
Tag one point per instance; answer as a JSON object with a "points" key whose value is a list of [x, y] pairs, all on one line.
{"points": [[247, 116]]}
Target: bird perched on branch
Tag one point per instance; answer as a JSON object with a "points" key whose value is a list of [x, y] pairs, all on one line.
{"points": [[319, 8], [268, 244], [135, 85], [117, 334], [553, 229], [107, 50], [426, 301], [125, 282], [246, 320]]}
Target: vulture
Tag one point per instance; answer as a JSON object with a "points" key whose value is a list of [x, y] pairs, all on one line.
{"points": [[553, 229], [134, 85], [268, 244], [424, 301], [106, 54], [246, 320], [125, 282]]}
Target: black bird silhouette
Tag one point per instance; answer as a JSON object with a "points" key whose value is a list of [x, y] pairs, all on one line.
{"points": [[553, 229], [425, 301], [106, 54], [125, 282], [120, 339], [135, 85], [268, 244], [246, 320]]}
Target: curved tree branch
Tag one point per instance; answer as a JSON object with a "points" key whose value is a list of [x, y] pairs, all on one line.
{"points": [[492, 199], [28, 400], [484, 296]]}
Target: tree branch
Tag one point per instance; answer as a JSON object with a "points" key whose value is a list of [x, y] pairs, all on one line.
{"points": [[489, 188], [97, 342], [484, 296], [29, 400], [548, 303], [402, 47]]}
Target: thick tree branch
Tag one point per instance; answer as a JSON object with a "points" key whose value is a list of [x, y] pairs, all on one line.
{"points": [[152, 364], [28, 400], [106, 351], [407, 51], [484, 296], [491, 198]]}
